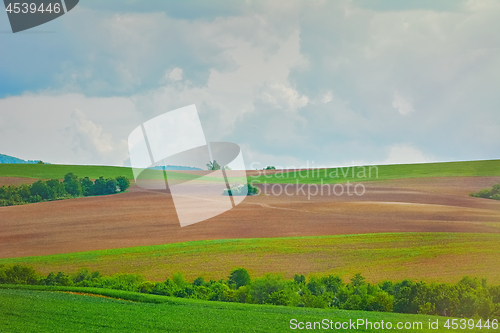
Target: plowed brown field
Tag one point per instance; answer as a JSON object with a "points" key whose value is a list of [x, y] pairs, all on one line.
{"points": [[144, 217]]}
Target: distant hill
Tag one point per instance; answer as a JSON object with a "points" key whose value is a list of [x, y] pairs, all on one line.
{"points": [[14, 160], [174, 167]]}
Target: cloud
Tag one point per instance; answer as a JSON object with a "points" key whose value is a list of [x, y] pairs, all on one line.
{"points": [[293, 80], [282, 97], [67, 129], [89, 137], [327, 97], [402, 105], [175, 74], [406, 153]]}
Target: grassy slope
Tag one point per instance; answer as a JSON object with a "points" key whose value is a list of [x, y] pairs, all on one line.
{"points": [[47, 171], [431, 257], [23, 310], [396, 171], [448, 169]]}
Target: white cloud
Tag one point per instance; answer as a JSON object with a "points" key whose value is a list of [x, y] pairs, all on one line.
{"points": [[327, 97], [405, 153], [175, 74], [259, 70], [402, 105], [90, 137], [318, 80], [67, 129]]}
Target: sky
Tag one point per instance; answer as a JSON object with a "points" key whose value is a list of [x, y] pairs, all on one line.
{"points": [[294, 83]]}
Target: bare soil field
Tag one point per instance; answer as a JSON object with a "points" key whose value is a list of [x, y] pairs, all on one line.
{"points": [[16, 181], [145, 217]]}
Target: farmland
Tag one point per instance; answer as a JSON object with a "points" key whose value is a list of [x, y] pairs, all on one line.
{"points": [[431, 257], [341, 174], [145, 217], [413, 222], [47, 171], [29, 309], [382, 172]]}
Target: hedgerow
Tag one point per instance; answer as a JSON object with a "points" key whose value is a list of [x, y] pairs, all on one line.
{"points": [[469, 298], [54, 189]]}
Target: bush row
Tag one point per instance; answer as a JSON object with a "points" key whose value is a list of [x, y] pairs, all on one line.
{"points": [[53, 189], [469, 298], [493, 193], [237, 189]]}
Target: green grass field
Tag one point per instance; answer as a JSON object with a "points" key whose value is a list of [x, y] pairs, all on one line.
{"points": [[448, 169], [48, 171], [385, 172], [34, 309], [430, 257]]}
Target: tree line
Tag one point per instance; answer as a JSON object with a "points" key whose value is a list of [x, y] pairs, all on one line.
{"points": [[469, 298], [71, 187]]}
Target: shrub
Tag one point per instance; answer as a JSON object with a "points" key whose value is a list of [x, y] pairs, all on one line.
{"points": [[18, 274], [87, 186], [239, 277], [262, 288], [471, 297], [213, 165], [53, 189], [237, 189], [99, 186], [299, 278], [111, 186], [199, 281], [72, 185], [147, 287], [123, 183], [493, 193], [40, 189]]}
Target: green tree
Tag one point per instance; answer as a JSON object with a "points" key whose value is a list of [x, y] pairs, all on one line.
{"points": [[24, 192], [72, 185], [35, 198], [316, 287], [99, 186], [332, 283], [63, 279], [87, 186], [299, 278], [41, 189], [123, 183], [50, 280], [18, 274], [111, 186], [57, 189], [213, 165], [199, 281], [239, 277], [358, 280], [262, 288], [380, 301]]}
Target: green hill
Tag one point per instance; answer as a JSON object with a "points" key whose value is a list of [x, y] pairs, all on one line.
{"points": [[330, 175], [383, 172], [47, 171], [14, 160], [378, 257], [32, 310]]}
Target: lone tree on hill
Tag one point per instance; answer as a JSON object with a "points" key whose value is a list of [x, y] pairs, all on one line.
{"points": [[213, 165]]}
